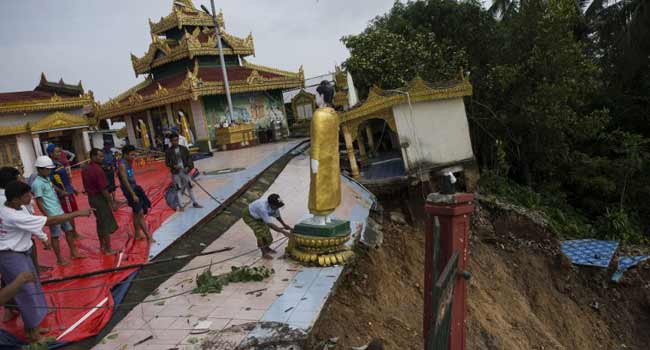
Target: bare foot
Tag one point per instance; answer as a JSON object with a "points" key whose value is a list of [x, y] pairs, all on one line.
{"points": [[79, 237], [139, 237], [77, 256], [63, 262], [33, 335], [181, 209], [151, 239], [267, 256], [43, 330], [197, 205], [109, 252]]}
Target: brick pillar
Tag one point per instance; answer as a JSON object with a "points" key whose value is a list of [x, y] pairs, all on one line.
{"points": [[453, 212]]}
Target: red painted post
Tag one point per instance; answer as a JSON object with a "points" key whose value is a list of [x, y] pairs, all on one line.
{"points": [[453, 212]]}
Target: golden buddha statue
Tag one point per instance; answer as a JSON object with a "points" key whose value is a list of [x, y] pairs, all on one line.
{"points": [[144, 134], [325, 184]]}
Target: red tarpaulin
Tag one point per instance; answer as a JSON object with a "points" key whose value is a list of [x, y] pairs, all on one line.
{"points": [[80, 321]]}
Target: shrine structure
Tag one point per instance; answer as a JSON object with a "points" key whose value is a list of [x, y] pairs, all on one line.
{"points": [[54, 112], [184, 79]]}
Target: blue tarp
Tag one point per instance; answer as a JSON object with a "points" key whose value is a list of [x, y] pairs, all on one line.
{"points": [[590, 252]]}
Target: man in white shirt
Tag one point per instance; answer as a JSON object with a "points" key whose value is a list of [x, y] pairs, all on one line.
{"points": [[258, 217], [17, 225]]}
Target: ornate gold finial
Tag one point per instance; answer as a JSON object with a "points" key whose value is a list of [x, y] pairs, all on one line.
{"points": [[255, 78], [195, 71], [301, 75], [220, 21]]}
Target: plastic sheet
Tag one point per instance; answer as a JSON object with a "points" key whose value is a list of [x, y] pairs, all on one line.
{"points": [[78, 319]]}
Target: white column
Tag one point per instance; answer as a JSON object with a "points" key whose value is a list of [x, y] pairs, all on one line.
{"points": [[152, 132], [38, 149], [26, 151], [130, 130], [86, 139], [170, 114]]}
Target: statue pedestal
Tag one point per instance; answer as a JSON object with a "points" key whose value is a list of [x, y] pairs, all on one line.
{"points": [[322, 245]]}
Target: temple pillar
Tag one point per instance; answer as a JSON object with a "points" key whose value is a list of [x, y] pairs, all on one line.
{"points": [[151, 129], [130, 130], [371, 140], [38, 149], [354, 167], [86, 141], [170, 115], [200, 125], [362, 149]]}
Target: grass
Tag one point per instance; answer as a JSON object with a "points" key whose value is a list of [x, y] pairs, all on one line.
{"points": [[564, 220]]}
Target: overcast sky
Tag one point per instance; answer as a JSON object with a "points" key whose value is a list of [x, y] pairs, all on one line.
{"points": [[90, 40]]}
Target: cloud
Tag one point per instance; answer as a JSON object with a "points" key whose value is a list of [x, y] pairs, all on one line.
{"points": [[90, 40]]}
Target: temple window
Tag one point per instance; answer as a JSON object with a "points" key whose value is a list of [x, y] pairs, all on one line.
{"points": [[9, 155], [305, 111]]}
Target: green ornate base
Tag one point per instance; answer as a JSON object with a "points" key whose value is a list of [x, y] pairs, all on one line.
{"points": [[334, 228], [322, 245]]}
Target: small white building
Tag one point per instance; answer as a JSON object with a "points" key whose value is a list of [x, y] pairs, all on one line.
{"points": [[410, 132], [56, 113]]}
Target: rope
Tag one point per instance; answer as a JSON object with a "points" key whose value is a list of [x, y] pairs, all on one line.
{"points": [[280, 241], [127, 267], [156, 276]]}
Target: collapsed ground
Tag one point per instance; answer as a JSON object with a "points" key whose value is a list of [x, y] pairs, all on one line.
{"points": [[524, 294]]}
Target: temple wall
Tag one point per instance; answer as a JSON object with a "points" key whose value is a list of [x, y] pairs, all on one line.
{"points": [[259, 108], [437, 133]]}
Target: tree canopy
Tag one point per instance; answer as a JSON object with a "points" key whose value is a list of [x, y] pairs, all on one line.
{"points": [[561, 98]]}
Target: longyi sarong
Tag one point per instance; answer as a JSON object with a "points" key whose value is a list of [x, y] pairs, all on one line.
{"points": [[30, 299], [104, 217], [260, 229]]}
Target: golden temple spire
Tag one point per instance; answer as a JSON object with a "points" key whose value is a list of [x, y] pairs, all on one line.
{"points": [[183, 3]]}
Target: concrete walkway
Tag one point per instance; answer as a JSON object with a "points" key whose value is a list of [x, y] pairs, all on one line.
{"points": [[248, 163], [293, 296]]}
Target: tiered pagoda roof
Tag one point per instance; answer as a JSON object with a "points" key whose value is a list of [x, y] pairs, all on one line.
{"points": [[47, 96], [201, 42], [188, 32], [184, 36], [201, 81]]}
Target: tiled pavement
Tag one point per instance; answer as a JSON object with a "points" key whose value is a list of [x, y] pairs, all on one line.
{"points": [[293, 295]]}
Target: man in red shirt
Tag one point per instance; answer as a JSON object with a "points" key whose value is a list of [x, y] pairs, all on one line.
{"points": [[96, 186]]}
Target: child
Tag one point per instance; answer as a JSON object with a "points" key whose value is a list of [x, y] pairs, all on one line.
{"points": [[49, 204]]}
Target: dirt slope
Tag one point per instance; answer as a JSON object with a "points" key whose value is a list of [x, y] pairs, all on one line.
{"points": [[523, 294]]}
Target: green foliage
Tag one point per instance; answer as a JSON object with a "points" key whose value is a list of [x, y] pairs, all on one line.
{"points": [[207, 283], [555, 109], [562, 219]]}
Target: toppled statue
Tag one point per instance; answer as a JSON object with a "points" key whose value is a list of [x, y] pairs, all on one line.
{"points": [[321, 239]]}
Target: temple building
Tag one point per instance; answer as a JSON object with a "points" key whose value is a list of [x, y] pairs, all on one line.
{"points": [[184, 85], [410, 133], [54, 112]]}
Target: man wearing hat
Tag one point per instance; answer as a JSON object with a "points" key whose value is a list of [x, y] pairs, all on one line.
{"points": [[48, 203], [258, 217]]}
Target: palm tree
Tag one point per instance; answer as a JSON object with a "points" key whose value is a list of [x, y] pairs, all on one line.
{"points": [[625, 25]]}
